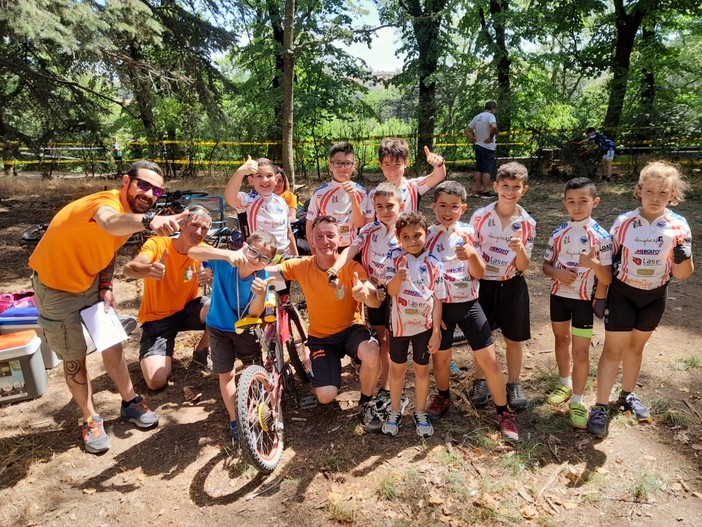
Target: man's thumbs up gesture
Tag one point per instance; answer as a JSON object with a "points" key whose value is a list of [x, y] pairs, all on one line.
{"points": [[157, 269]]}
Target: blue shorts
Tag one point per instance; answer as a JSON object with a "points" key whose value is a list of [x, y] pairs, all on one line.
{"points": [[484, 159]]}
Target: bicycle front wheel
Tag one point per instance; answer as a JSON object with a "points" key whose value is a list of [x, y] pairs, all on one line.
{"points": [[260, 419]]}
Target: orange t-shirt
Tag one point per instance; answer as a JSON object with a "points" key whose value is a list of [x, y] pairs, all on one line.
{"points": [[290, 199], [328, 314], [179, 286], [74, 249]]}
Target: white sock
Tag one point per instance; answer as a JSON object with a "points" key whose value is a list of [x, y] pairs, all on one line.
{"points": [[576, 399], [567, 381]]}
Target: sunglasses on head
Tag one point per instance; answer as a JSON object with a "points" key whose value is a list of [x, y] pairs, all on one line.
{"points": [[145, 186]]}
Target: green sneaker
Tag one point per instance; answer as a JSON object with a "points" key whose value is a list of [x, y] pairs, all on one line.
{"points": [[578, 416], [559, 395]]}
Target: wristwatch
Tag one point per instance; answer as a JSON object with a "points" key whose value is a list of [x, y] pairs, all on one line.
{"points": [[146, 219]]}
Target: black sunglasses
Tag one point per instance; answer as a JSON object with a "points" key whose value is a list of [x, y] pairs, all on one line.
{"points": [[145, 186]]}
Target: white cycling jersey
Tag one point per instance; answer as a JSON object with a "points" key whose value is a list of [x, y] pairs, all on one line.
{"points": [[442, 243], [494, 240], [567, 242], [411, 310], [645, 249], [332, 200], [375, 241], [268, 213], [411, 190]]}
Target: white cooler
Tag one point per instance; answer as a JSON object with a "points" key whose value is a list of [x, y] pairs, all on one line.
{"points": [[22, 372]]}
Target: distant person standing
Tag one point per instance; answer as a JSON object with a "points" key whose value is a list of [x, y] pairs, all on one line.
{"points": [[605, 146], [117, 155], [482, 132]]}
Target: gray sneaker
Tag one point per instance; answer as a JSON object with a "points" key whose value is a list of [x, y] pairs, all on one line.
{"points": [[392, 423], [139, 414], [479, 394], [515, 397], [631, 403], [94, 436], [369, 417]]}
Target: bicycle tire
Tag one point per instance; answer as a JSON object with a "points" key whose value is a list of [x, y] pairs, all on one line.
{"points": [[261, 440], [295, 344], [34, 232]]}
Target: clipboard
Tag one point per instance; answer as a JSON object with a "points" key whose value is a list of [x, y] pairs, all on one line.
{"points": [[105, 329]]}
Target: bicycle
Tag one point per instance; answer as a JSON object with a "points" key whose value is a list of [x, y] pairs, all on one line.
{"points": [[259, 399]]}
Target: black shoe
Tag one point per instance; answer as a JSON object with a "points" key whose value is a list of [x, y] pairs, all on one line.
{"points": [[202, 358]]}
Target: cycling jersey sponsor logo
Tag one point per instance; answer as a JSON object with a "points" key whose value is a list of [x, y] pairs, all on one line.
{"points": [[401, 301], [607, 247], [516, 227], [571, 264], [583, 239], [661, 223], [492, 268], [412, 311], [649, 252], [499, 250], [410, 292], [644, 272], [486, 257]]}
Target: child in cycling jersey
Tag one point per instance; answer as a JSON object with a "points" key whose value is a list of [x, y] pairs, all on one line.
{"points": [[239, 289], [651, 243], [374, 242], [506, 237], [341, 198], [415, 284], [578, 259], [393, 155], [265, 210], [454, 243]]}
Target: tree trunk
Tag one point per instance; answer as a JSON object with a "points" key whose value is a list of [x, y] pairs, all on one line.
{"points": [[426, 25], [275, 130], [288, 88], [648, 89], [144, 100], [498, 12], [627, 25]]}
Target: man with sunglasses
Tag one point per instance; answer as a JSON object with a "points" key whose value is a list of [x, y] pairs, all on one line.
{"points": [[336, 324], [73, 266], [171, 303]]}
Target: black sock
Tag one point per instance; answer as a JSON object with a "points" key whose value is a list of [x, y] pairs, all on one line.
{"points": [[445, 393], [136, 400], [364, 399], [501, 409], [623, 394]]}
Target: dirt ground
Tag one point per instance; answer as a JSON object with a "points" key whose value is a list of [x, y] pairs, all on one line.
{"points": [[185, 472]]}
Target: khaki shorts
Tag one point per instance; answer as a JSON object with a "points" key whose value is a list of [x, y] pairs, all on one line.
{"points": [[59, 317]]}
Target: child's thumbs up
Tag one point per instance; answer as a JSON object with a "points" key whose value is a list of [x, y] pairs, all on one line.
{"points": [[515, 242], [402, 268]]}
